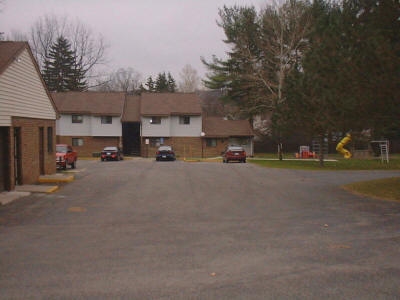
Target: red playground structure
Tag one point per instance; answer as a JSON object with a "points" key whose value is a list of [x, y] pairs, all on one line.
{"points": [[304, 152]]}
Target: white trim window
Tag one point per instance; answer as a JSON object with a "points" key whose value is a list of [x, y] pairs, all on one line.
{"points": [[155, 120], [106, 119], [211, 142], [77, 142], [77, 119], [184, 120]]}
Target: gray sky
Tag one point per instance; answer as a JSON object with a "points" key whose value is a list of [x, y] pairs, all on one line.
{"points": [[150, 36]]}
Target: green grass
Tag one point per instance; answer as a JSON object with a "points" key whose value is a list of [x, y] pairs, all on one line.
{"points": [[338, 165]]}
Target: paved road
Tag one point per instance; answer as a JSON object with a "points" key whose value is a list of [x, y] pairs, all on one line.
{"points": [[138, 229]]}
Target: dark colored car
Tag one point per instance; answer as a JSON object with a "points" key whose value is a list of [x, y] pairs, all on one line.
{"points": [[165, 153], [234, 153], [111, 153], [65, 156]]}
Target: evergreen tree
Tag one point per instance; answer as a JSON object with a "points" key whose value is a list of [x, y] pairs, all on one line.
{"points": [[161, 83], [171, 83], [61, 70], [150, 85], [265, 48]]}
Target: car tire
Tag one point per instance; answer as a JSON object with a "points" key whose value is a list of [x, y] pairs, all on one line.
{"points": [[73, 165]]}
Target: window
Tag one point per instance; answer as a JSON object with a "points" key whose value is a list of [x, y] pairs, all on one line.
{"points": [[211, 142], [77, 142], [50, 139], [156, 142], [155, 120], [77, 119], [184, 120], [106, 120]]}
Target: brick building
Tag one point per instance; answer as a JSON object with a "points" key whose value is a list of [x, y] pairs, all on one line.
{"points": [[89, 121], [141, 123], [27, 118]]}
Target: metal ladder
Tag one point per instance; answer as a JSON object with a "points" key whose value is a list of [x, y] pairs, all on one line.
{"points": [[384, 146]]}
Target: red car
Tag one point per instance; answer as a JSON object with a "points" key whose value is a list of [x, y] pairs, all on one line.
{"points": [[65, 155], [234, 153]]}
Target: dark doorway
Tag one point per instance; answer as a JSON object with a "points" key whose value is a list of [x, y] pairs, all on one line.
{"points": [[17, 156], [131, 138], [41, 150], [4, 159]]}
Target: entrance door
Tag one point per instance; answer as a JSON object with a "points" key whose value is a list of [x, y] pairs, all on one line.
{"points": [[4, 159], [41, 150], [17, 156], [131, 138]]}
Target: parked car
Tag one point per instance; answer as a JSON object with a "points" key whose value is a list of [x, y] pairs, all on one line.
{"points": [[165, 153], [234, 153], [65, 155], [111, 153]]}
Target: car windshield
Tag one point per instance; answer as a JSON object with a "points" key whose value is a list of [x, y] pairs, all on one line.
{"points": [[165, 148], [235, 149], [110, 149], [62, 149]]}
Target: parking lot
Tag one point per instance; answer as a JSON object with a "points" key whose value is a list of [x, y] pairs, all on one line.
{"points": [[141, 229]]}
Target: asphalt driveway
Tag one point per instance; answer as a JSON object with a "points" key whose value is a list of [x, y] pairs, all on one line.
{"points": [[140, 229]]}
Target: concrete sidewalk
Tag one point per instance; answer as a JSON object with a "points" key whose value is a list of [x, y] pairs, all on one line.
{"points": [[27, 189]]}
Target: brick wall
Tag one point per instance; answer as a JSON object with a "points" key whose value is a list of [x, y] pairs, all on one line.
{"points": [[183, 147], [210, 151], [30, 149], [90, 144], [186, 147]]}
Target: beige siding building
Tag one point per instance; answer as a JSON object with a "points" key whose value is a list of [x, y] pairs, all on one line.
{"points": [[27, 118]]}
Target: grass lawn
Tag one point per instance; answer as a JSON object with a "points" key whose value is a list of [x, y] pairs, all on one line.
{"points": [[388, 188], [332, 162]]}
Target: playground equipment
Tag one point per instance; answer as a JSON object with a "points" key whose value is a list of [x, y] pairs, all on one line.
{"points": [[339, 148], [383, 149], [304, 152]]}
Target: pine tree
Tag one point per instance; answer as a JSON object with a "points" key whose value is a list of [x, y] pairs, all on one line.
{"points": [[150, 85], [161, 83], [61, 70], [171, 83]]}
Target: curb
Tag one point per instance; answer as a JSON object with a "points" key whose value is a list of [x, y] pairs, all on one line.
{"points": [[56, 178]]}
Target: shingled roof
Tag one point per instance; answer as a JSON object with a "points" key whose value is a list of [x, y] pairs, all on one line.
{"points": [[132, 109], [217, 127], [9, 51], [166, 104], [90, 103]]}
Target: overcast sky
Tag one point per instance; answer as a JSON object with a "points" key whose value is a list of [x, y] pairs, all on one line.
{"points": [[151, 36]]}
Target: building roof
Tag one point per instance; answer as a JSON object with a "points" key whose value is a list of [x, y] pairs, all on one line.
{"points": [[9, 51], [90, 103], [166, 104], [218, 127], [131, 109]]}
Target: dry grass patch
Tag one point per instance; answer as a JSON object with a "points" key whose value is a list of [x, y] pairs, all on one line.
{"points": [[387, 188]]}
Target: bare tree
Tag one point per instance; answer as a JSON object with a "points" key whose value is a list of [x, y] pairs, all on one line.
{"points": [[16, 35], [123, 80], [284, 28], [89, 48], [189, 79]]}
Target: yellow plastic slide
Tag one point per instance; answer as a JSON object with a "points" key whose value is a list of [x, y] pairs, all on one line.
{"points": [[339, 148]]}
